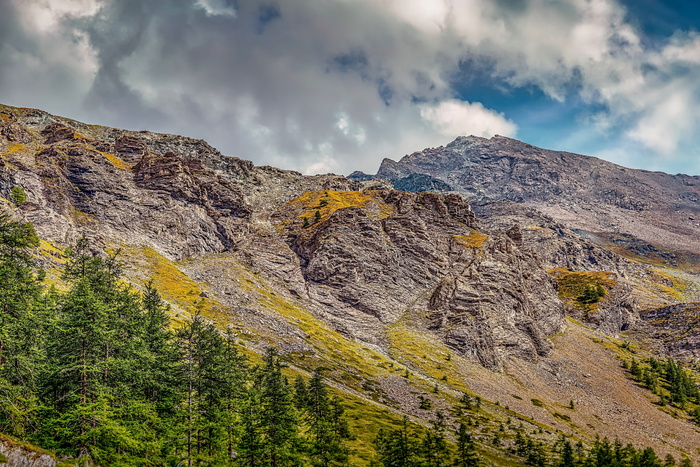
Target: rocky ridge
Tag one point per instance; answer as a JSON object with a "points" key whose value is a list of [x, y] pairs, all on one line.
{"points": [[184, 200], [371, 257], [349, 274], [581, 192]]}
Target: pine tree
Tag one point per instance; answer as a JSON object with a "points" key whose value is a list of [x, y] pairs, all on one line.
{"points": [[466, 450], [23, 311], [251, 444], [567, 455], [279, 417], [647, 458], [301, 393], [327, 426], [435, 449], [397, 448], [212, 374]]}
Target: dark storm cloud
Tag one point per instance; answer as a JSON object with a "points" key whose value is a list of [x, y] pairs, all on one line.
{"points": [[115, 34]]}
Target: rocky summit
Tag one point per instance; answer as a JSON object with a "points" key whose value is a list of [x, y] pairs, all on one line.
{"points": [[581, 192], [570, 267]]}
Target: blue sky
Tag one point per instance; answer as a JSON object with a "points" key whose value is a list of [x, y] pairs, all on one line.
{"points": [[338, 85]]}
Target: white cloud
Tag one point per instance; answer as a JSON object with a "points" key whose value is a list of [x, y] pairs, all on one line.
{"points": [[44, 15], [349, 129], [664, 124], [340, 84], [454, 118], [216, 7]]}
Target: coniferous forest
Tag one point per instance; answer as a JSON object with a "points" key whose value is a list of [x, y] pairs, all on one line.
{"points": [[99, 374]]}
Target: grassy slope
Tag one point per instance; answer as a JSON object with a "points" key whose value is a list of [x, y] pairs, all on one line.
{"points": [[586, 365], [374, 385], [525, 395]]}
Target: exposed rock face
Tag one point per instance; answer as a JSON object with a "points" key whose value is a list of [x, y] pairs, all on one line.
{"points": [[676, 327], [189, 180], [130, 147], [579, 191], [56, 132], [20, 456], [13, 131], [419, 255], [359, 255]]}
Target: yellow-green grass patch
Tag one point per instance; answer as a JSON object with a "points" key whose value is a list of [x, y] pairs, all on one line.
{"points": [[583, 289], [475, 239]]}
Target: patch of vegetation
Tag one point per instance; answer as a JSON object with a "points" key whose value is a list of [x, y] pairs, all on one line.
{"points": [[583, 289], [418, 350], [475, 239], [18, 196], [537, 402], [317, 206], [116, 162], [674, 384], [175, 286], [14, 147]]}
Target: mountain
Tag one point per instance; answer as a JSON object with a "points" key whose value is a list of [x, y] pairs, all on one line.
{"points": [[634, 210], [403, 295]]}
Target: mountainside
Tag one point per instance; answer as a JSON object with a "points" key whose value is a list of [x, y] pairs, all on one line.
{"points": [[401, 295], [581, 192]]}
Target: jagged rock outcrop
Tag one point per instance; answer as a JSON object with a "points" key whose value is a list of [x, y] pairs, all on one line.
{"points": [[130, 147], [579, 191], [393, 254], [56, 132], [11, 130], [675, 327]]}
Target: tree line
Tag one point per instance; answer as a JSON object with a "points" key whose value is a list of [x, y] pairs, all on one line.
{"points": [[98, 373], [674, 384]]}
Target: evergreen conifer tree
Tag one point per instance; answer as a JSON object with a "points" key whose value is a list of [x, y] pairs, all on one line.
{"points": [[278, 416], [466, 450], [22, 316]]}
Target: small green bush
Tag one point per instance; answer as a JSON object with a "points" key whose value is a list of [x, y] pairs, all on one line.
{"points": [[18, 196]]}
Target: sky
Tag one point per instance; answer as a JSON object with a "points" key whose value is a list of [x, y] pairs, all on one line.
{"points": [[337, 85]]}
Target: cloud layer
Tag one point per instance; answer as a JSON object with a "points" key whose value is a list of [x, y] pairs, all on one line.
{"points": [[337, 85]]}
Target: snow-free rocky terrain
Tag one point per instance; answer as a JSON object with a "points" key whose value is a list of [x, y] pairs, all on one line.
{"points": [[398, 293]]}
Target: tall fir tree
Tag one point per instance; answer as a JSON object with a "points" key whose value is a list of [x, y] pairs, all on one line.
{"points": [[466, 450], [279, 416], [327, 426], [397, 448], [22, 316], [435, 449]]}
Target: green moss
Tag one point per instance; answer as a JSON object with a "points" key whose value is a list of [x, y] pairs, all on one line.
{"points": [[16, 443]]}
